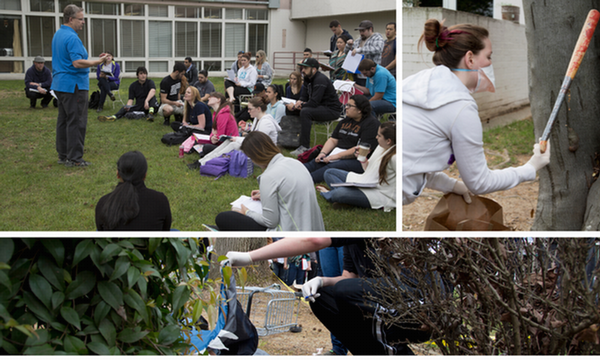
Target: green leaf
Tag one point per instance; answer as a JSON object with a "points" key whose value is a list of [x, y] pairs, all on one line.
{"points": [[95, 256], [58, 326], [29, 242], [4, 314], [51, 272], [38, 309], [98, 348], [169, 334], [125, 244], [115, 351], [197, 312], [7, 247], [143, 286], [71, 316], [111, 294], [133, 274], [180, 297], [4, 266], [83, 284], [45, 349], [83, 250], [41, 337], [227, 274], [132, 335], [41, 288], [183, 253], [109, 251], [57, 299], [100, 312], [153, 244], [135, 301], [56, 249], [108, 331], [121, 267], [5, 281], [73, 344], [147, 353]]}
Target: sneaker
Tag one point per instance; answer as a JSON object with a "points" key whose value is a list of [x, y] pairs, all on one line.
{"points": [[299, 150], [167, 121], [112, 97], [100, 109], [62, 161], [194, 166], [150, 117], [82, 163], [107, 118]]}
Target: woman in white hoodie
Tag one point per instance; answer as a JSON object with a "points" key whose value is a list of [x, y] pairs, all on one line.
{"points": [[440, 120]]}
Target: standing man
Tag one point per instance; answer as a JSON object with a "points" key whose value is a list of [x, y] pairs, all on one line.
{"points": [[370, 44], [38, 80], [388, 56], [336, 27], [318, 103], [169, 93], [381, 87], [307, 53], [205, 87], [71, 83], [191, 73]]}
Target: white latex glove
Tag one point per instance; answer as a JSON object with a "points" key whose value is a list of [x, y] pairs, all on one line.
{"points": [[237, 258], [461, 189], [309, 289], [539, 160]]}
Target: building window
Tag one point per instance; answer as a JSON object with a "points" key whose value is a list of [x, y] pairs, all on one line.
{"points": [[10, 5], [234, 14], [132, 38], [41, 5], [158, 66], [131, 66], [134, 10], [39, 35], [210, 40], [10, 34], [15, 67], [102, 8], [104, 36], [235, 39], [257, 37], [212, 66], [213, 13], [186, 39], [62, 4], [161, 38], [257, 14], [158, 10], [187, 12]]}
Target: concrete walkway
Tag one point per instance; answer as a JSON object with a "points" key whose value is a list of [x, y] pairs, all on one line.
{"points": [[506, 119]]}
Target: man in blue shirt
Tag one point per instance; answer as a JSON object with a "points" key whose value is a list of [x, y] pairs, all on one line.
{"points": [[71, 83], [381, 87]]}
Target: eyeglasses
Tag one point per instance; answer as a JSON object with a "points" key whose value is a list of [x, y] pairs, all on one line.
{"points": [[80, 19], [350, 105]]}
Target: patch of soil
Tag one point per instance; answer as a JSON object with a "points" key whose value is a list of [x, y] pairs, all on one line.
{"points": [[518, 204]]}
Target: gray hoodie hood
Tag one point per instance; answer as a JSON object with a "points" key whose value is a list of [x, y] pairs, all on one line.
{"points": [[432, 88]]}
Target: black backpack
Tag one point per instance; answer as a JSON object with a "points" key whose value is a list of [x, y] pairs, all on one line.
{"points": [[289, 136], [176, 138], [94, 100]]}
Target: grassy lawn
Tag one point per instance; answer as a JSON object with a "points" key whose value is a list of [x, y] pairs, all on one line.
{"points": [[41, 195], [517, 138]]}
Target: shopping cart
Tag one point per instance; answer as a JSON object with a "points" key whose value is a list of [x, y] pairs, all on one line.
{"points": [[270, 309]]}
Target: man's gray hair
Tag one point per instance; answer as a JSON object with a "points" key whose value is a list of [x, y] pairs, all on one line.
{"points": [[70, 11]]}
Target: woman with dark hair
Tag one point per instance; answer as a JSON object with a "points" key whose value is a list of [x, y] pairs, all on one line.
{"points": [[275, 106], [440, 119], [244, 82], [196, 114], [359, 125], [131, 206], [337, 59], [286, 193], [293, 91], [380, 169], [107, 74]]}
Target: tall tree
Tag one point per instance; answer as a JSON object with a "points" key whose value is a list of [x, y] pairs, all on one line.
{"points": [[569, 198]]}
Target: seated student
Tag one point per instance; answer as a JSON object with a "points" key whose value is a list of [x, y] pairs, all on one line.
{"points": [[275, 106], [38, 79], [337, 60], [107, 74], [263, 122], [259, 91], [339, 150], [143, 91], [307, 53], [263, 69], [285, 191], [196, 114], [170, 87], [379, 169], [235, 66], [381, 87], [244, 81], [293, 91], [348, 304], [205, 87], [131, 206]]}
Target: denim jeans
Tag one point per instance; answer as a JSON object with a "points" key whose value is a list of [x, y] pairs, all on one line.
{"points": [[295, 273], [343, 194], [382, 107], [332, 264]]}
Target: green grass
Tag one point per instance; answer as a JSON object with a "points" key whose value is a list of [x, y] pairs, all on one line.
{"points": [[40, 195], [518, 138]]}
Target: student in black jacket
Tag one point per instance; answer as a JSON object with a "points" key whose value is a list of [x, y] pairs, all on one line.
{"points": [[38, 79]]}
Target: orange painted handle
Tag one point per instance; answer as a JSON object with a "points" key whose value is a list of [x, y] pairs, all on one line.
{"points": [[583, 42]]}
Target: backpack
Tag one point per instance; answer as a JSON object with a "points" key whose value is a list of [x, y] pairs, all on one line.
{"points": [[94, 100], [176, 138], [216, 167], [310, 154], [240, 165], [289, 136]]}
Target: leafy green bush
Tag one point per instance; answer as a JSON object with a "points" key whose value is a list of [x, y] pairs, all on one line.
{"points": [[101, 296]]}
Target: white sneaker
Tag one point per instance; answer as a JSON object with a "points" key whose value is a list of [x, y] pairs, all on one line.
{"points": [[299, 150]]}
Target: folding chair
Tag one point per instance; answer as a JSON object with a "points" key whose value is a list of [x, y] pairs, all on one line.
{"points": [[117, 94]]}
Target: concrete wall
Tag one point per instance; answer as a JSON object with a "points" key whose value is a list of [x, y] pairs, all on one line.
{"points": [[308, 9], [509, 56], [285, 34]]}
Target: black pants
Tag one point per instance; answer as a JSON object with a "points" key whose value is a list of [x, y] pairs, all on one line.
{"points": [[106, 87], [237, 91], [33, 96], [234, 221], [308, 115], [138, 107], [71, 124], [356, 321]]}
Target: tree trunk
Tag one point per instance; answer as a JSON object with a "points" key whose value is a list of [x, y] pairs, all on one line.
{"points": [[552, 29], [259, 272]]}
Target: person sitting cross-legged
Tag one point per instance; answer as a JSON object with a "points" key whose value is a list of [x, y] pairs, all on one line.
{"points": [[143, 91]]}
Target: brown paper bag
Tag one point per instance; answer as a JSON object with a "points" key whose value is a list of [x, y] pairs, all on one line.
{"points": [[452, 213]]}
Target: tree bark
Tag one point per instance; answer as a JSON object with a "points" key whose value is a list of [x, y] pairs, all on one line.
{"points": [[552, 29], [261, 269]]}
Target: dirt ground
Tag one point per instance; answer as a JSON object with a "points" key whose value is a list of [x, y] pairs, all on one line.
{"points": [[518, 204]]}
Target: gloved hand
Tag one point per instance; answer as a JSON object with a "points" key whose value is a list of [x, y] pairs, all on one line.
{"points": [[237, 258], [309, 289], [539, 160], [461, 189]]}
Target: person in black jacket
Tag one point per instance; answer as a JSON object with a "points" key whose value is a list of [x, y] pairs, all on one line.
{"points": [[319, 102], [38, 79]]}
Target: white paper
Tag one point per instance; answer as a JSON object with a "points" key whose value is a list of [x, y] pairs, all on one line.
{"points": [[351, 62], [288, 100], [53, 94], [230, 75], [202, 136], [327, 52], [343, 85], [254, 205], [335, 150]]}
